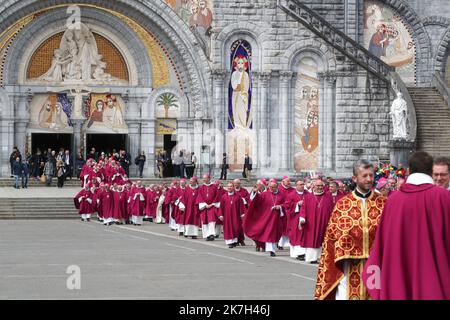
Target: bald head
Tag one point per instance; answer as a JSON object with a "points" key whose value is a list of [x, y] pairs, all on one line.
{"points": [[237, 183]]}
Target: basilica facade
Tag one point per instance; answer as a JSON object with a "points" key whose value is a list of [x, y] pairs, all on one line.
{"points": [[299, 86]]}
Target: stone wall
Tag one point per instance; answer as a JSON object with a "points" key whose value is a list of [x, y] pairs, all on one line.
{"points": [[355, 109]]}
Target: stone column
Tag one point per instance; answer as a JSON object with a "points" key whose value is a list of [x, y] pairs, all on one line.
{"points": [[220, 110], [197, 148], [263, 134], [285, 120], [134, 134], [77, 125], [22, 117], [148, 136], [327, 125], [134, 120]]}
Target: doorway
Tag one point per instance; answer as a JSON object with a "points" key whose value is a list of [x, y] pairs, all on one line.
{"points": [[169, 143], [106, 142], [54, 141]]}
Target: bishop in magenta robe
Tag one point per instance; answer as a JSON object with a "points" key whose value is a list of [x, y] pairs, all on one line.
{"points": [[84, 203], [262, 221], [190, 210], [231, 213], [314, 216], [206, 201], [410, 259], [293, 204]]}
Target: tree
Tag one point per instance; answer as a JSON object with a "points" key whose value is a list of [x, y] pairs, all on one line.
{"points": [[167, 100]]}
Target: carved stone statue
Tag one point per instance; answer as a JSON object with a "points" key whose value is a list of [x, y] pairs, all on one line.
{"points": [[399, 115], [77, 60]]}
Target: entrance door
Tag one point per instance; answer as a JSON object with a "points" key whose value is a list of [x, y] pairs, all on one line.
{"points": [[105, 142], [169, 144], [54, 141]]}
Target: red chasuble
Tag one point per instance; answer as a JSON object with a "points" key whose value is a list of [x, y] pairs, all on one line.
{"points": [[316, 210], [178, 215], [150, 204], [412, 245], [293, 217], [105, 203], [339, 195], [84, 206], [168, 200], [95, 195], [85, 171], [207, 194], [137, 201], [115, 175], [94, 177], [261, 223], [231, 209], [285, 192], [244, 195], [191, 213], [349, 236], [219, 194], [120, 204]]}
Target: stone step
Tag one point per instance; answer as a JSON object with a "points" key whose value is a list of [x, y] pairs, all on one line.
{"points": [[433, 118], [33, 217]]}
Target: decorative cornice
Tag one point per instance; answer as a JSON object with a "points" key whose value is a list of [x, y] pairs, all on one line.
{"points": [[286, 76], [218, 74], [330, 76]]}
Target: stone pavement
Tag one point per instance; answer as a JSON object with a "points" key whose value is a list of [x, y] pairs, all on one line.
{"points": [[148, 262]]}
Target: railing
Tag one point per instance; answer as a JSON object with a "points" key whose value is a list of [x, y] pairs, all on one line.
{"points": [[442, 86], [337, 39]]}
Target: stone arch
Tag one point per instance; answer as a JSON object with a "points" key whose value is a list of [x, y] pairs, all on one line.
{"points": [[155, 16], [420, 37], [99, 22], [442, 53], [150, 111], [436, 21], [250, 32], [326, 65], [311, 47]]}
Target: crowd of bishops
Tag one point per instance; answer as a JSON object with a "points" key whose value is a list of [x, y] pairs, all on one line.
{"points": [[271, 213], [321, 220]]}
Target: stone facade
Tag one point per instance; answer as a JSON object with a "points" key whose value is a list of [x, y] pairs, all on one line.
{"points": [[353, 106]]}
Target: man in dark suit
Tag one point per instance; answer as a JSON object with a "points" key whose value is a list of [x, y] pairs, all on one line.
{"points": [[68, 164], [248, 167], [224, 167], [125, 160], [12, 159]]}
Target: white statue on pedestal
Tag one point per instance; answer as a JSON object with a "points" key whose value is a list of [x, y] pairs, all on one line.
{"points": [[399, 114], [77, 60]]}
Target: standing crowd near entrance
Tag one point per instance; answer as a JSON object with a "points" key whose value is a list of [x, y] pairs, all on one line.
{"points": [[358, 233], [50, 164], [43, 166]]}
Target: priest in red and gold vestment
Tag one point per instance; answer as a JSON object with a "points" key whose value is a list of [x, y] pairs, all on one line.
{"points": [[348, 239]]}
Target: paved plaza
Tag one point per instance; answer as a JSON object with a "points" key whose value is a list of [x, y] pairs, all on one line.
{"points": [[148, 262]]}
